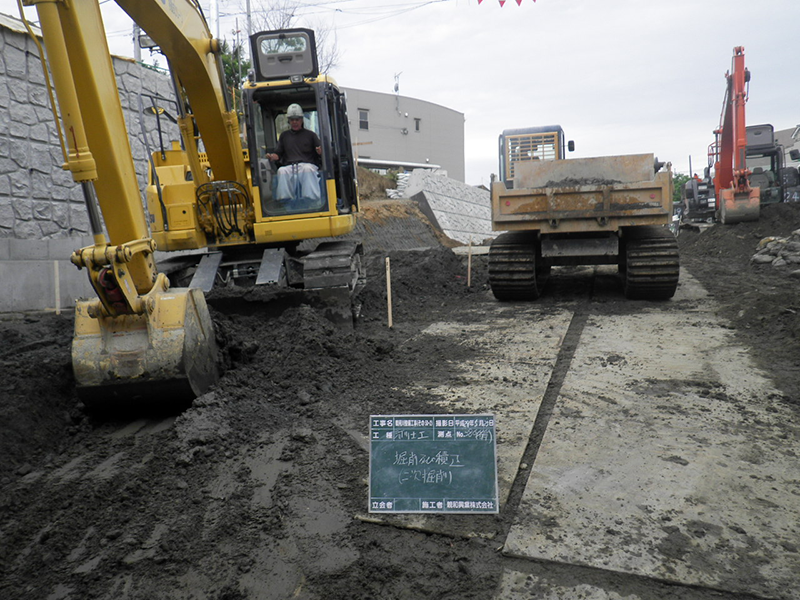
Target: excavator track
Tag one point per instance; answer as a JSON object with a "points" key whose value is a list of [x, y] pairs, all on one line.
{"points": [[333, 265], [649, 263], [513, 273], [332, 277]]}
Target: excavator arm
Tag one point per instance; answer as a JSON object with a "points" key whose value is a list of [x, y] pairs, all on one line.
{"points": [[181, 32], [736, 200], [139, 339]]}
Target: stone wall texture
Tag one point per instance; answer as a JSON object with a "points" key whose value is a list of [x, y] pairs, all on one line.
{"points": [[43, 217], [38, 199]]}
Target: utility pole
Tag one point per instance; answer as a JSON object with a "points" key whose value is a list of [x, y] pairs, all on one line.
{"points": [[238, 53], [249, 21], [215, 14], [137, 49]]}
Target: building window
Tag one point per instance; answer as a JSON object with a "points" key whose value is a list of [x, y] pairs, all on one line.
{"points": [[363, 118], [417, 124]]}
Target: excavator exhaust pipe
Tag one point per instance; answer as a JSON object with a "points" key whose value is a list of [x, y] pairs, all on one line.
{"points": [[164, 357]]}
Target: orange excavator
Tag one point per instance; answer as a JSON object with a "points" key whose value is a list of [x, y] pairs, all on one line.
{"points": [[737, 200]]}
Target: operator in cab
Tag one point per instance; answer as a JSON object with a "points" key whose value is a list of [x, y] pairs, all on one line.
{"points": [[298, 152]]}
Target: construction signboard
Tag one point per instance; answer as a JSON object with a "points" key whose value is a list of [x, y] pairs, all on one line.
{"points": [[433, 464]]}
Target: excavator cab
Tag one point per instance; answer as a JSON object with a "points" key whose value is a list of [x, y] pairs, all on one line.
{"points": [[254, 223], [285, 73], [765, 158], [295, 189]]}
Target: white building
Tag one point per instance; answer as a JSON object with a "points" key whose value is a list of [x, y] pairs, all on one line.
{"points": [[390, 131]]}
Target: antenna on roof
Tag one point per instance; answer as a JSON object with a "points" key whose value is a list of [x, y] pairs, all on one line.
{"points": [[397, 92]]}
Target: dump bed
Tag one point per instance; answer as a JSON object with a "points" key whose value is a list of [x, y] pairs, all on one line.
{"points": [[583, 195]]}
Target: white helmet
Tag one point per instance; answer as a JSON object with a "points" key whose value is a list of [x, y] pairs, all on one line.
{"points": [[294, 111]]}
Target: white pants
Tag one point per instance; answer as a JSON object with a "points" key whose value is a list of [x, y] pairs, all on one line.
{"points": [[298, 181]]}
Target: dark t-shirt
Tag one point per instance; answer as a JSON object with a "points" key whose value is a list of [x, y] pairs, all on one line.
{"points": [[298, 147]]}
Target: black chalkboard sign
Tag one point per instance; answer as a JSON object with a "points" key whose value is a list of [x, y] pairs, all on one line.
{"points": [[432, 464]]}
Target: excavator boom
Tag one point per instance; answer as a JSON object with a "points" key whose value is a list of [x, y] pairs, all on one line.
{"points": [[182, 34], [736, 200], [138, 340]]}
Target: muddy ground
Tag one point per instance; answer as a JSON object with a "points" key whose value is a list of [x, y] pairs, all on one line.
{"points": [[254, 491]]}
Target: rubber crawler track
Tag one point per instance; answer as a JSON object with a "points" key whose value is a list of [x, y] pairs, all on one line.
{"points": [[650, 265], [335, 264], [512, 266]]}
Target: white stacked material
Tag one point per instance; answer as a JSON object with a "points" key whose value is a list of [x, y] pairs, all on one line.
{"points": [[462, 212], [400, 190]]}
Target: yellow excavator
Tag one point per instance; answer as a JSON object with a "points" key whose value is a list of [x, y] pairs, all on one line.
{"points": [[142, 339]]}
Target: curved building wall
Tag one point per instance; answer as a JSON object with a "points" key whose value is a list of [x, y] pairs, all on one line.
{"points": [[406, 131]]}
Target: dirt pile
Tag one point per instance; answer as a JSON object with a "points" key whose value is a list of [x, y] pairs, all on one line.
{"points": [[251, 492], [739, 241], [38, 410], [386, 225], [262, 475], [372, 186], [762, 301]]}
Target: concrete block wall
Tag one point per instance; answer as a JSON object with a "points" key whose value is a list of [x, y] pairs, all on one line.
{"points": [[37, 274], [462, 212], [42, 212]]}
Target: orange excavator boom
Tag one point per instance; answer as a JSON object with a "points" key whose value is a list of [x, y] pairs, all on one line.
{"points": [[736, 200]]}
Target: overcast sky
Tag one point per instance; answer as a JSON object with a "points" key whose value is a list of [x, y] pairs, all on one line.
{"points": [[620, 76]]}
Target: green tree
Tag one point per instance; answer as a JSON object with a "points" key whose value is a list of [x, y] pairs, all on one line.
{"points": [[235, 65], [678, 181]]}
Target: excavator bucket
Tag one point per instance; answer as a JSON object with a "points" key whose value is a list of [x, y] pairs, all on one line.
{"points": [[738, 207], [167, 355]]}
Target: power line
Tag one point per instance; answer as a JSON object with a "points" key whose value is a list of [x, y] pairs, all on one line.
{"points": [[376, 12]]}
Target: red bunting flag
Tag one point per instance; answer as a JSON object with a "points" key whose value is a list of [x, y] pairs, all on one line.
{"points": [[502, 2]]}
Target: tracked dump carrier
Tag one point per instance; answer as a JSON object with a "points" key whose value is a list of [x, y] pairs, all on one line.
{"points": [[591, 211]]}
